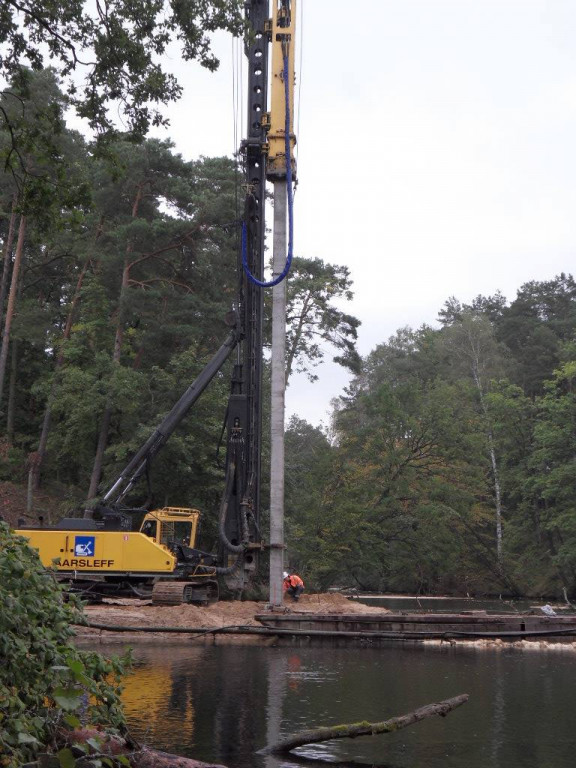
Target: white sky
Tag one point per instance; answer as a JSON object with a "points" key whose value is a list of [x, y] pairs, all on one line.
{"points": [[436, 156]]}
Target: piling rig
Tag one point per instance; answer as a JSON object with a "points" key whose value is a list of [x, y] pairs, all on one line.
{"points": [[115, 549]]}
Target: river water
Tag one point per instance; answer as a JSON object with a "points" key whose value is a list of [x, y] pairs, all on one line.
{"points": [[224, 703]]}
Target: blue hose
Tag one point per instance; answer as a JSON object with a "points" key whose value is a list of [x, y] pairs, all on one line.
{"points": [[288, 263]]}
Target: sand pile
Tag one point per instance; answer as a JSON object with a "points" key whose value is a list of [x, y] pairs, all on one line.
{"points": [[331, 602]]}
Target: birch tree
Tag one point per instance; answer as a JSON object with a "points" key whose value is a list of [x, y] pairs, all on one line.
{"points": [[474, 350]]}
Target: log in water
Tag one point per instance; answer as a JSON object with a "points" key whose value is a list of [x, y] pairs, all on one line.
{"points": [[354, 730]]}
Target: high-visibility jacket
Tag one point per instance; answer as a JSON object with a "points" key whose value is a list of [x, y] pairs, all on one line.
{"points": [[293, 580]]}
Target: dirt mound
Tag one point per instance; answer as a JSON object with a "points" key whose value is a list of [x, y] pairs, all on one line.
{"points": [[331, 602]]}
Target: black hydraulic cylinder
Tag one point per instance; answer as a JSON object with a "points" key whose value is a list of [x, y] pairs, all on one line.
{"points": [[137, 466]]}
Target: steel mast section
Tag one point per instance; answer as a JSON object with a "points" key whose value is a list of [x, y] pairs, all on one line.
{"points": [[244, 418]]}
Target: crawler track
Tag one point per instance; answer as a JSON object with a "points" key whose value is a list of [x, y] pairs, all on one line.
{"points": [[179, 592]]}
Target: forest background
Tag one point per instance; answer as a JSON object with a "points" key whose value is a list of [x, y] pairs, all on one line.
{"points": [[449, 465]]}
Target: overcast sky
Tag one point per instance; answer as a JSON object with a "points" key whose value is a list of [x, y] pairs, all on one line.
{"points": [[436, 153]]}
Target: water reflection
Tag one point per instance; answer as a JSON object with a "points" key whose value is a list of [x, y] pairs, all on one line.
{"points": [[224, 703]]}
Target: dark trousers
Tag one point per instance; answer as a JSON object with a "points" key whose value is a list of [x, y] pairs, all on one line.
{"points": [[295, 592]]}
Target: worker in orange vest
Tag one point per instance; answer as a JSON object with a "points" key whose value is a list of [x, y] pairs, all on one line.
{"points": [[293, 585]]}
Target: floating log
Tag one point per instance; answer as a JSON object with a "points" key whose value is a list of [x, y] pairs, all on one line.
{"points": [[353, 730]]}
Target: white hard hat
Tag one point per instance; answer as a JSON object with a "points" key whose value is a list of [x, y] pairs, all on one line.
{"points": [[285, 574]]}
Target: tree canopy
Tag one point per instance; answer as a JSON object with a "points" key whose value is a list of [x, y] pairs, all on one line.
{"points": [[109, 54], [449, 466]]}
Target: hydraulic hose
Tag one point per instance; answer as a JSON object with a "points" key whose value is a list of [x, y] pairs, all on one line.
{"points": [[224, 511], [254, 630], [237, 548], [223, 570]]}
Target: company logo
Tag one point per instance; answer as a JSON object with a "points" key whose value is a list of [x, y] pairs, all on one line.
{"points": [[84, 546]]}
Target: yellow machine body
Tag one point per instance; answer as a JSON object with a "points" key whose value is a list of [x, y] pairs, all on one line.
{"points": [[128, 552]]}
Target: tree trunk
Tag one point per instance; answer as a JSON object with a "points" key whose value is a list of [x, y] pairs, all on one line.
{"points": [[150, 758], [11, 408], [100, 448], [7, 254], [107, 416], [497, 496], [365, 729], [118, 339], [11, 303], [145, 758], [29, 495], [35, 467], [493, 464]]}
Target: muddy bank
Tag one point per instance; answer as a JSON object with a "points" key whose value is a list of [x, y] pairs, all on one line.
{"points": [[323, 618], [141, 613]]}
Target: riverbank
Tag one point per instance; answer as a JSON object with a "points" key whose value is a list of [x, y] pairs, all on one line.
{"points": [[142, 614], [325, 619]]}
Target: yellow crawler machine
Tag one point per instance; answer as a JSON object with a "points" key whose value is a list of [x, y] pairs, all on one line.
{"points": [[150, 555]]}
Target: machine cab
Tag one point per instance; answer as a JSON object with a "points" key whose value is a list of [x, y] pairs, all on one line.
{"points": [[172, 526]]}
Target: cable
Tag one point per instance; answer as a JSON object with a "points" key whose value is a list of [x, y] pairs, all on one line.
{"points": [[287, 265], [268, 630]]}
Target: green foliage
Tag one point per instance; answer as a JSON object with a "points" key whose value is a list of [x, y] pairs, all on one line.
{"points": [[403, 452], [552, 478], [46, 683], [118, 48], [535, 326], [38, 155], [314, 320], [309, 466], [430, 436]]}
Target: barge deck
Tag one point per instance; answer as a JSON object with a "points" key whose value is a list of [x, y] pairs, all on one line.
{"points": [[378, 628]]}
